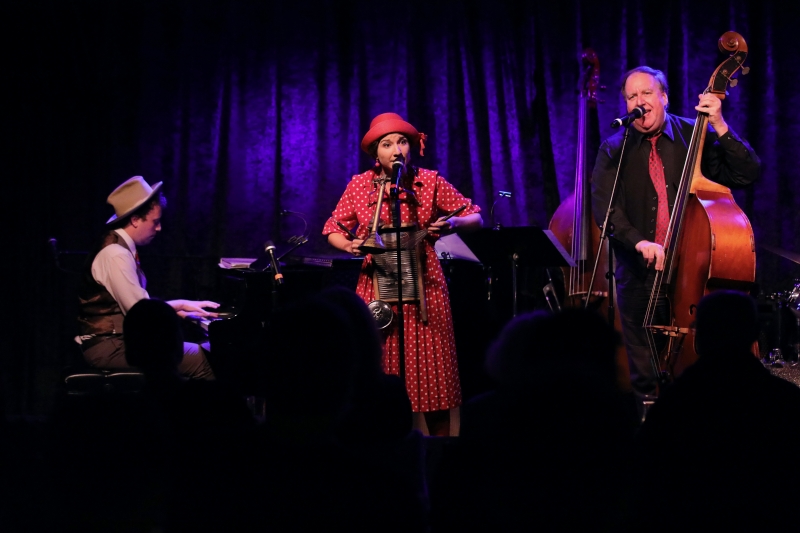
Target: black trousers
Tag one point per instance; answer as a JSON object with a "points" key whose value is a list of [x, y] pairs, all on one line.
{"points": [[633, 297]]}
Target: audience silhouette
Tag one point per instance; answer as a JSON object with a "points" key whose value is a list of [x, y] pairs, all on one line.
{"points": [[209, 423], [715, 452], [317, 367], [380, 411], [556, 445], [547, 449], [197, 408]]}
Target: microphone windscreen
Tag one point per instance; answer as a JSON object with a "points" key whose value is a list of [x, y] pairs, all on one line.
{"points": [[397, 168]]}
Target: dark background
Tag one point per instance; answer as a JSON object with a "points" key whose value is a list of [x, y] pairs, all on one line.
{"points": [[244, 109]]}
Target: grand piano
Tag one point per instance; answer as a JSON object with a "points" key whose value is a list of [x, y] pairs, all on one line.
{"points": [[240, 338]]}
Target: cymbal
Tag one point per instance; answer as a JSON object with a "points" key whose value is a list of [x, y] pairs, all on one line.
{"points": [[791, 256]]}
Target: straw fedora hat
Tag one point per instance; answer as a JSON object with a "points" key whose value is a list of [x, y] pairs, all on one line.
{"points": [[387, 123], [130, 196]]}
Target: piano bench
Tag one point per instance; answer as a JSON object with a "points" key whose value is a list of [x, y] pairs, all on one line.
{"points": [[93, 381]]}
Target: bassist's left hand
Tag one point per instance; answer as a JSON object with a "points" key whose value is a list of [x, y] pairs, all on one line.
{"points": [[712, 106]]}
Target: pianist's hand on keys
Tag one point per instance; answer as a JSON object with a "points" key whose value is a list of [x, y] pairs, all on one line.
{"points": [[193, 309]]}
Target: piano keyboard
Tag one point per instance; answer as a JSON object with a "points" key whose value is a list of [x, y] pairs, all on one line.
{"points": [[203, 322], [311, 261]]}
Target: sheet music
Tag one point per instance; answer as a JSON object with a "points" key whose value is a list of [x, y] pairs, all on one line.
{"points": [[236, 262], [452, 247]]}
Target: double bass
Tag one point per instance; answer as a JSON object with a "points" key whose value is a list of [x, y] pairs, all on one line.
{"points": [[709, 244], [573, 224]]}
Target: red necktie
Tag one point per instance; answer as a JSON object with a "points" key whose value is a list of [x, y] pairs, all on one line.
{"points": [[136, 258], [657, 175]]}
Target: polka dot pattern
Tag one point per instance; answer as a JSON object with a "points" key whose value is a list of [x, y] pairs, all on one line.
{"points": [[656, 167], [431, 366]]}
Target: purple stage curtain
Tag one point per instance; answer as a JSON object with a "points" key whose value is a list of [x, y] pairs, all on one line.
{"points": [[248, 109]]}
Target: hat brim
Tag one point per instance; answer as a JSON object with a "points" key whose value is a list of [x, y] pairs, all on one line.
{"points": [[385, 128], [115, 218]]}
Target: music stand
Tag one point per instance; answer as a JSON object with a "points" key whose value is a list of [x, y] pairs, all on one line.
{"points": [[522, 245]]}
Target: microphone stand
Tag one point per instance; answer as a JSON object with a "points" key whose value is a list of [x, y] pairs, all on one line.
{"points": [[489, 275], [277, 277], [401, 325], [605, 233]]}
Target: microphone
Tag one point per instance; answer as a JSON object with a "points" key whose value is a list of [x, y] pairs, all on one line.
{"points": [[269, 247], [397, 169], [500, 194], [637, 112]]}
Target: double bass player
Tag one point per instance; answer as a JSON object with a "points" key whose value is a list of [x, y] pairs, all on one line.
{"points": [[648, 182]]}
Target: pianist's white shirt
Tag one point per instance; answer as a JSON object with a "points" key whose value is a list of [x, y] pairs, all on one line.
{"points": [[115, 269]]}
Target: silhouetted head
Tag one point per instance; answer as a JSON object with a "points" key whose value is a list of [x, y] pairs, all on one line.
{"points": [[153, 337], [727, 321], [541, 349], [366, 336], [310, 364]]}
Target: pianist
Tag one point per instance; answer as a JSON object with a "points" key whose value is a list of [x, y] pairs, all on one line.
{"points": [[112, 281]]}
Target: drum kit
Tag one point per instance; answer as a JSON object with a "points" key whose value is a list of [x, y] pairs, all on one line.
{"points": [[785, 347]]}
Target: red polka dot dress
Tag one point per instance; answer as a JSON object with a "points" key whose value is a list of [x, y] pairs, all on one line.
{"points": [[431, 366]]}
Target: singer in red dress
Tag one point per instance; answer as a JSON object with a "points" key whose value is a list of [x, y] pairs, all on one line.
{"points": [[431, 367]]}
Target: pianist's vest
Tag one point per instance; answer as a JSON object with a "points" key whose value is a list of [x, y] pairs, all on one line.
{"points": [[99, 313]]}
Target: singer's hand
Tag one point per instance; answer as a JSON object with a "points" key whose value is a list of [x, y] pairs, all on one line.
{"points": [[651, 251], [442, 227], [353, 247], [712, 105]]}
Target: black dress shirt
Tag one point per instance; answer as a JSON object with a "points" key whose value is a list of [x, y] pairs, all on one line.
{"points": [[728, 160]]}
